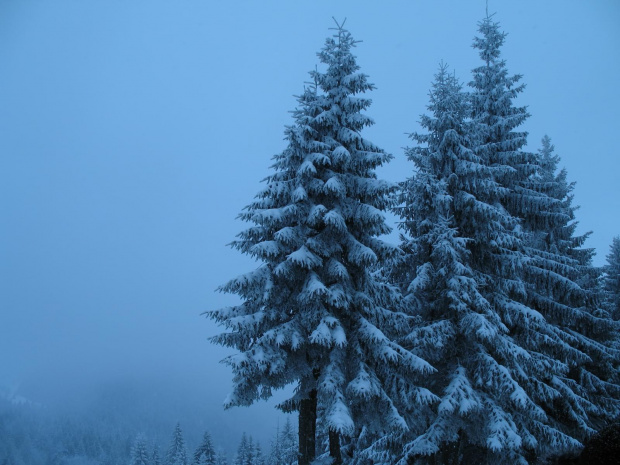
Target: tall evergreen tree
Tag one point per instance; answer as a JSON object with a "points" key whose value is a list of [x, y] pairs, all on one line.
{"points": [[611, 279], [562, 285], [558, 277], [461, 265], [177, 452], [557, 252], [205, 453], [316, 313]]}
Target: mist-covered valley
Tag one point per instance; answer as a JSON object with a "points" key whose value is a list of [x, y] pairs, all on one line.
{"points": [[101, 423]]}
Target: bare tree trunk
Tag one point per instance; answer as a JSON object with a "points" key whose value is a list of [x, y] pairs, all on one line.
{"points": [[307, 429], [334, 447]]}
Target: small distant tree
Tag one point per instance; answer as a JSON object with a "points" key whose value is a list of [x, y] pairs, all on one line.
{"points": [[288, 439], [275, 452], [284, 446], [250, 452], [156, 457], [177, 452], [220, 458], [243, 451], [258, 455], [205, 453], [139, 453]]}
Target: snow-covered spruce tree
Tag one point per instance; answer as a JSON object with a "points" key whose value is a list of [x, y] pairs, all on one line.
{"points": [[554, 228], [432, 272], [315, 313], [611, 279], [177, 452], [556, 270], [139, 453], [556, 251], [563, 287], [205, 453], [461, 273]]}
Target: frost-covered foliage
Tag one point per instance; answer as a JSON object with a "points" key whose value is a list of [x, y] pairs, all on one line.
{"points": [[177, 452], [315, 312], [611, 280], [205, 453], [491, 271], [438, 284], [555, 318], [560, 271]]}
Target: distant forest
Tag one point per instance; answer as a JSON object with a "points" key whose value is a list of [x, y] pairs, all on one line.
{"points": [[32, 434]]}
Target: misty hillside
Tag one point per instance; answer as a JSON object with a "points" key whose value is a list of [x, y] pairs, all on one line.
{"points": [[101, 426]]}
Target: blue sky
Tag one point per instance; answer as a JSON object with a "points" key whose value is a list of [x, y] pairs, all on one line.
{"points": [[133, 132]]}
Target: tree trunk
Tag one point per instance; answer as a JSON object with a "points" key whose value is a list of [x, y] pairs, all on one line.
{"points": [[307, 429], [334, 447]]}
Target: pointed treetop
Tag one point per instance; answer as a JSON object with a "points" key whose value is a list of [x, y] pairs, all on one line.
{"points": [[491, 41], [340, 26], [342, 31]]}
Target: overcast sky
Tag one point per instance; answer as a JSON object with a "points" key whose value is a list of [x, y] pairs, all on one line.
{"points": [[133, 132]]}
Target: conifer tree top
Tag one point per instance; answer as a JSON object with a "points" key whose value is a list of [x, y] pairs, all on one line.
{"points": [[491, 41]]}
